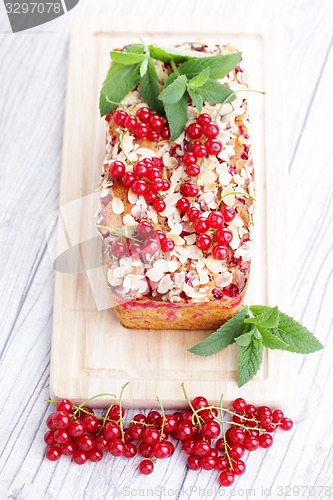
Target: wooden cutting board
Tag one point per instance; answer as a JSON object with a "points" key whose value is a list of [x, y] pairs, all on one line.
{"points": [[91, 352]]}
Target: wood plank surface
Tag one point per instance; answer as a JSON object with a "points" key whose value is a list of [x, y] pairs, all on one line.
{"points": [[33, 67]]}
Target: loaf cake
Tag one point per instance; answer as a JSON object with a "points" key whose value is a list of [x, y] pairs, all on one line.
{"points": [[176, 218]]}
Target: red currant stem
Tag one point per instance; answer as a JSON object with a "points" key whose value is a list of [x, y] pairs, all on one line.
{"points": [[235, 192], [163, 413], [223, 432], [190, 405], [120, 413], [49, 401], [174, 67], [116, 232], [212, 407], [120, 105], [105, 418], [122, 148], [232, 94]]}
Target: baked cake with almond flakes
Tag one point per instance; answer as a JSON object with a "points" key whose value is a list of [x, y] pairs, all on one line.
{"points": [[176, 217]]}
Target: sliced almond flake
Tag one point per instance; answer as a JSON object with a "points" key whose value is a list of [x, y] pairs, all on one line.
{"points": [[155, 274], [162, 265], [188, 289], [235, 238], [104, 193], [175, 299], [152, 215], [119, 272], [169, 161], [165, 284], [207, 177], [173, 265], [134, 277], [223, 279], [188, 227], [132, 197], [190, 238], [203, 277], [238, 179], [177, 175], [129, 220], [192, 113], [127, 284], [179, 278], [175, 237], [214, 265], [195, 282], [146, 152], [245, 251], [117, 206], [172, 199], [141, 286], [112, 279], [194, 252], [236, 222], [228, 200], [126, 262]]}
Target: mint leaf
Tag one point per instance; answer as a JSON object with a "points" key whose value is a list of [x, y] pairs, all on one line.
{"points": [[177, 115], [167, 54], [150, 88], [267, 319], [245, 339], [214, 92], [249, 361], [270, 340], [219, 66], [126, 57], [136, 48], [197, 100], [119, 81], [200, 79], [297, 337], [174, 91], [223, 337]]}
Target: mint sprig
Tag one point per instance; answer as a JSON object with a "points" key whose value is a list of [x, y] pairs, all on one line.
{"points": [[193, 78], [253, 329]]}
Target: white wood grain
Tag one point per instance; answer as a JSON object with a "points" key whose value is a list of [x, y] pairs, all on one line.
{"points": [[33, 74]]}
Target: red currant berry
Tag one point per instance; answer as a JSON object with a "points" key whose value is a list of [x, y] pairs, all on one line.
{"points": [[165, 185], [154, 173], [165, 132], [265, 440], [183, 205], [266, 420], [216, 220], [170, 422], [82, 414], [239, 404], [61, 436], [214, 146], [194, 131], [277, 416], [108, 118], [140, 187], [151, 435], [156, 123], [193, 170], [184, 430], [159, 206], [193, 213], [226, 478], [65, 405], [271, 428], [92, 424], [203, 119], [61, 420], [117, 447], [223, 236], [134, 249], [207, 462], [222, 463], [144, 230], [128, 179], [209, 414], [154, 417], [119, 117], [228, 213], [236, 451], [161, 449], [251, 443], [203, 241], [151, 246], [136, 431], [211, 430], [131, 122], [198, 149], [167, 245], [53, 453], [145, 450], [239, 468], [49, 438], [199, 402], [252, 432], [238, 420], [144, 114], [189, 159], [117, 169], [80, 457], [188, 446], [237, 435], [101, 443], [201, 225], [95, 455], [146, 467], [193, 462], [160, 235], [214, 453], [76, 428], [201, 448], [140, 169], [171, 448], [186, 416], [153, 136], [67, 449], [130, 450], [127, 436], [249, 410], [118, 249], [150, 197], [264, 411], [219, 445], [286, 424], [49, 422], [157, 184], [85, 442], [210, 130], [111, 430], [141, 131]]}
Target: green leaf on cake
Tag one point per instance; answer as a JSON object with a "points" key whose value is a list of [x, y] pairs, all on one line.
{"points": [[249, 361], [120, 80], [150, 88], [219, 66]]}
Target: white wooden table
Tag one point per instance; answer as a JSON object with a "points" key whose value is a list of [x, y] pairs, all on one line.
{"points": [[33, 68]]}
